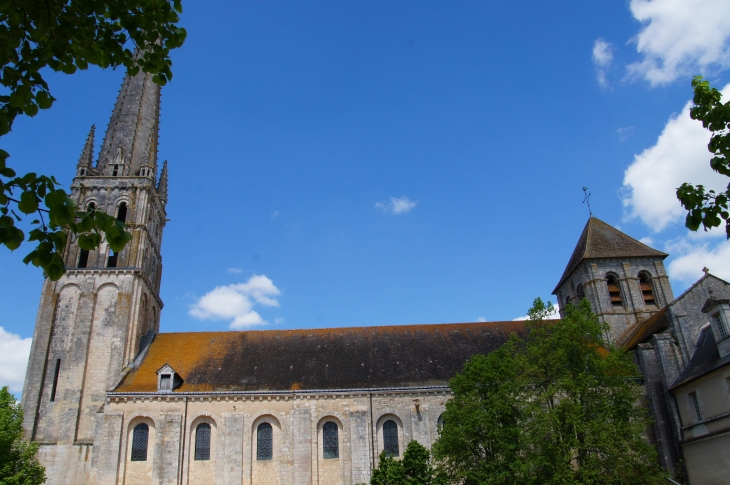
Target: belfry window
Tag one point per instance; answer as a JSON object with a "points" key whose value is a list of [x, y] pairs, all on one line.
{"points": [[646, 289], [264, 442], [140, 435], [614, 290], [202, 442], [83, 258], [331, 445], [111, 261], [390, 438], [115, 170], [122, 212], [580, 293]]}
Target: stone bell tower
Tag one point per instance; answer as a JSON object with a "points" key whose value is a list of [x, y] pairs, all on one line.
{"points": [[94, 321], [624, 279]]}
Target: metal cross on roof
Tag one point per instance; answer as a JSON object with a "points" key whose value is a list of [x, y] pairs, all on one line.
{"points": [[587, 200]]}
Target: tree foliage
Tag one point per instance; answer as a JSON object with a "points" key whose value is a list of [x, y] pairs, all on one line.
{"points": [[67, 35], [557, 406], [708, 208], [18, 463], [416, 468]]}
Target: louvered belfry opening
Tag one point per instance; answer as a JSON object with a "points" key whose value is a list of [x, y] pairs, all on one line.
{"points": [[647, 291], [614, 291]]}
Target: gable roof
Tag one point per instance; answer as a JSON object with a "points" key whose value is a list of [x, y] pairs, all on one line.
{"points": [[602, 241], [332, 358], [704, 360]]}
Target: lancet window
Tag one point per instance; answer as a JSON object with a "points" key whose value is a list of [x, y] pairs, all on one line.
{"points": [[202, 442], [331, 445], [390, 438], [140, 436], [264, 442]]}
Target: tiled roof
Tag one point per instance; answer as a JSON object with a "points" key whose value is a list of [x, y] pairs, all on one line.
{"points": [[641, 333], [705, 359], [332, 358], [601, 241]]}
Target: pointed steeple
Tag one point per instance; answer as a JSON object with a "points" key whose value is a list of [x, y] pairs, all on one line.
{"points": [[601, 241], [87, 154], [131, 137], [162, 184]]}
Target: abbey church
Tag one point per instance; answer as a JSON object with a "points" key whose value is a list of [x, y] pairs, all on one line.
{"points": [[110, 400]]}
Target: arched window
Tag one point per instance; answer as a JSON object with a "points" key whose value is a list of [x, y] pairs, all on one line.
{"points": [[140, 435], [646, 288], [264, 442], [440, 421], [331, 445], [580, 293], [122, 212], [83, 258], [91, 207], [614, 291], [202, 442], [111, 261], [390, 438]]}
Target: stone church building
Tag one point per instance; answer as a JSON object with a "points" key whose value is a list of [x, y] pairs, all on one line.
{"points": [[112, 401]]}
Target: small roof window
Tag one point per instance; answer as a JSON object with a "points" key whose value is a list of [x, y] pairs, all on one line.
{"points": [[167, 379]]}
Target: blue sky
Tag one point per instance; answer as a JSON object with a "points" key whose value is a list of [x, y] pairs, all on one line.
{"points": [[373, 163]]}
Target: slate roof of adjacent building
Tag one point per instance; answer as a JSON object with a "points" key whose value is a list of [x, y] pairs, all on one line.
{"points": [[601, 241], [705, 359], [641, 333], [332, 358]]}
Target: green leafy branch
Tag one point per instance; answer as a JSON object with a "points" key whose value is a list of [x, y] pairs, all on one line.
{"points": [[709, 208], [63, 217], [65, 36]]}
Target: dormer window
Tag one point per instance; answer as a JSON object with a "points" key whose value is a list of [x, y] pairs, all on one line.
{"points": [[166, 382], [614, 290], [718, 322], [166, 379]]}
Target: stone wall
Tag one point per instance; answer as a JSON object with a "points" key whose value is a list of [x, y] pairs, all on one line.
{"points": [[296, 419]]}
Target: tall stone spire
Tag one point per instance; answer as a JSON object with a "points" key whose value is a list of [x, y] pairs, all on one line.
{"points": [[131, 138], [162, 184], [87, 154]]}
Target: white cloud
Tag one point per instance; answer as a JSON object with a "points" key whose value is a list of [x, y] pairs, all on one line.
{"points": [[234, 270], [602, 53], [602, 58], [679, 155], [692, 257], [14, 352], [625, 132], [395, 205], [680, 37], [235, 302]]}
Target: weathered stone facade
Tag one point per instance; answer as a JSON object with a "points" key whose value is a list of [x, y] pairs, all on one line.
{"points": [[297, 419], [111, 401]]}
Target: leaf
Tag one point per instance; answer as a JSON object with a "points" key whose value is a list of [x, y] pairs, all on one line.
{"points": [[28, 203], [89, 241]]}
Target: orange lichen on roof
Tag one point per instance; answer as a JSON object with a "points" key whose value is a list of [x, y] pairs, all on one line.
{"points": [[330, 358], [641, 333]]}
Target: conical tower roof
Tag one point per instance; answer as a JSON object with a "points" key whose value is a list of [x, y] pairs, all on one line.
{"points": [[162, 184], [87, 154], [601, 241], [133, 127]]}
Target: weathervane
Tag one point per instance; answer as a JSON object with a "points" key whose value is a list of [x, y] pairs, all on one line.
{"points": [[587, 200]]}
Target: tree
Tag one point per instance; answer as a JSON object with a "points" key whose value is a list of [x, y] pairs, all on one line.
{"points": [[66, 35], [709, 208], [415, 468], [18, 463], [557, 406]]}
